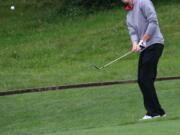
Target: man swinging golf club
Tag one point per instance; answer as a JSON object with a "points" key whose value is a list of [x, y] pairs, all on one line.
{"points": [[147, 39]]}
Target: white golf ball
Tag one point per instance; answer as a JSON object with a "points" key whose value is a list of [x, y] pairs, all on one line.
{"points": [[12, 7]]}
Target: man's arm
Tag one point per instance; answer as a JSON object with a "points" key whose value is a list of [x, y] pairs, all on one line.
{"points": [[132, 33], [149, 12], [134, 37]]}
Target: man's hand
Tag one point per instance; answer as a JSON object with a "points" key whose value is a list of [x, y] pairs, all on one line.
{"points": [[146, 37], [135, 47], [142, 45]]}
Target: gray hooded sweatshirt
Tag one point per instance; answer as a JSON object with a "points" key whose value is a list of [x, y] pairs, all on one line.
{"points": [[143, 20]]}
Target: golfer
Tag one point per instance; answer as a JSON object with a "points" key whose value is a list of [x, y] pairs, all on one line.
{"points": [[147, 39]]}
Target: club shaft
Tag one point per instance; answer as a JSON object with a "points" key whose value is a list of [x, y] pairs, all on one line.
{"points": [[128, 53]]}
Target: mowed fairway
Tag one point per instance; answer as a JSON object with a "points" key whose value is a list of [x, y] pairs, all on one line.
{"points": [[107, 110]]}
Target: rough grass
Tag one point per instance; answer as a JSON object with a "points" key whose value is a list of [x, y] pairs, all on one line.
{"points": [[34, 53]]}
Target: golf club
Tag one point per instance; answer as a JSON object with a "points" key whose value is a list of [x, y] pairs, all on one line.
{"points": [[108, 64]]}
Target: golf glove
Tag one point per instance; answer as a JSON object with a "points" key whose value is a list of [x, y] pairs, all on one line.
{"points": [[142, 45]]}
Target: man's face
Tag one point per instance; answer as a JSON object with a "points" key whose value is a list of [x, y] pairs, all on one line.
{"points": [[125, 1]]}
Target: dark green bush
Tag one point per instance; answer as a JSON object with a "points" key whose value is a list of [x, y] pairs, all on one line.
{"points": [[70, 7]]}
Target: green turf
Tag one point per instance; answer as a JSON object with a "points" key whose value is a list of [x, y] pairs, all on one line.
{"points": [[156, 128], [35, 53], [115, 108]]}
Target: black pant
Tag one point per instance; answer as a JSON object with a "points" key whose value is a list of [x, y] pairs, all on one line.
{"points": [[147, 72]]}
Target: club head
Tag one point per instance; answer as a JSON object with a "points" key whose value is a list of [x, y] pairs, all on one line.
{"points": [[96, 67]]}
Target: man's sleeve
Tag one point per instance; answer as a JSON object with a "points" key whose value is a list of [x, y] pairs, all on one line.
{"points": [[149, 12], [132, 33]]}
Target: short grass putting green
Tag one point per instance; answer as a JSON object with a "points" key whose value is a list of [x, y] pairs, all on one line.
{"points": [[156, 128], [88, 111]]}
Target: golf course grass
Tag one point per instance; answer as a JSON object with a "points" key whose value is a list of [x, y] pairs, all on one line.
{"points": [[36, 51], [107, 110], [158, 127]]}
